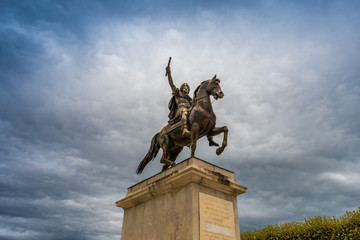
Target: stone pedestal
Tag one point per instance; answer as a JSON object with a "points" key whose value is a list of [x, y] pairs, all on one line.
{"points": [[193, 200]]}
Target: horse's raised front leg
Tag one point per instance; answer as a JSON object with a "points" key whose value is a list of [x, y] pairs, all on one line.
{"points": [[212, 142], [194, 137], [216, 131]]}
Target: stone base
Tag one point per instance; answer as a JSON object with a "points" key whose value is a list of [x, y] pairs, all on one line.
{"points": [[193, 200]]}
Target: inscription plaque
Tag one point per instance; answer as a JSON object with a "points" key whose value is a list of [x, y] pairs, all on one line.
{"points": [[216, 218]]}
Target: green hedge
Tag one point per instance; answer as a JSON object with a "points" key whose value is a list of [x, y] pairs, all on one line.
{"points": [[345, 227]]}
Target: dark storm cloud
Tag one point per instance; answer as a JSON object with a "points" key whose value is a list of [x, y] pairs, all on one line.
{"points": [[43, 173], [76, 79], [57, 16]]}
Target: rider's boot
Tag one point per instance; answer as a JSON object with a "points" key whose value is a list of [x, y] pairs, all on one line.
{"points": [[185, 131]]}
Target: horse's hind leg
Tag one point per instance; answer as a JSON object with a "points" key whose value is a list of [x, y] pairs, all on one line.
{"points": [[164, 142], [167, 162], [172, 157], [175, 153]]}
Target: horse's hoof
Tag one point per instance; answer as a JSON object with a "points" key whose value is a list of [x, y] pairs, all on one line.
{"points": [[167, 162], [219, 150]]}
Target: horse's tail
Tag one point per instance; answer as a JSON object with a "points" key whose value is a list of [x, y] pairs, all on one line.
{"points": [[151, 154]]}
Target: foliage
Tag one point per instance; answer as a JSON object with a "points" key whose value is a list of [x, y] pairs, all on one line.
{"points": [[346, 227]]}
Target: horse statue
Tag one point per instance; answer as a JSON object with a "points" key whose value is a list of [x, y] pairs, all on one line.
{"points": [[202, 121]]}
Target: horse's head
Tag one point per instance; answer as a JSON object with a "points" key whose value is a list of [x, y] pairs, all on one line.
{"points": [[214, 89]]}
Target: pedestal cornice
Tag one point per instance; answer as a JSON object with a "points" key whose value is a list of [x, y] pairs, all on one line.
{"points": [[192, 170]]}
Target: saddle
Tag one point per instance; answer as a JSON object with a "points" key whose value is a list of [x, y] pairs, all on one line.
{"points": [[172, 126]]}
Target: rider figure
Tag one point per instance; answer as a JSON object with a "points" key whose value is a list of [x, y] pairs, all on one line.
{"points": [[179, 104]]}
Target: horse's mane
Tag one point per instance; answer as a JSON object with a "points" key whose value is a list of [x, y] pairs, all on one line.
{"points": [[198, 88]]}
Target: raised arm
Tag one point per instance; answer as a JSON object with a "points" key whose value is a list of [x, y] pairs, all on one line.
{"points": [[168, 74]]}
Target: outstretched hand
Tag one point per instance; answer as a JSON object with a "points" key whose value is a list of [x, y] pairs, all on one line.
{"points": [[168, 71]]}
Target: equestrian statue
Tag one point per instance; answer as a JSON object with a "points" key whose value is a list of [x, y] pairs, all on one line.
{"points": [[189, 120]]}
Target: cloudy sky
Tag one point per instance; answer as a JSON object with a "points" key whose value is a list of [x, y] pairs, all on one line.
{"points": [[82, 92]]}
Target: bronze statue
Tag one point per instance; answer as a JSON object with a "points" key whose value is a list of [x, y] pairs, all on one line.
{"points": [[200, 122]]}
